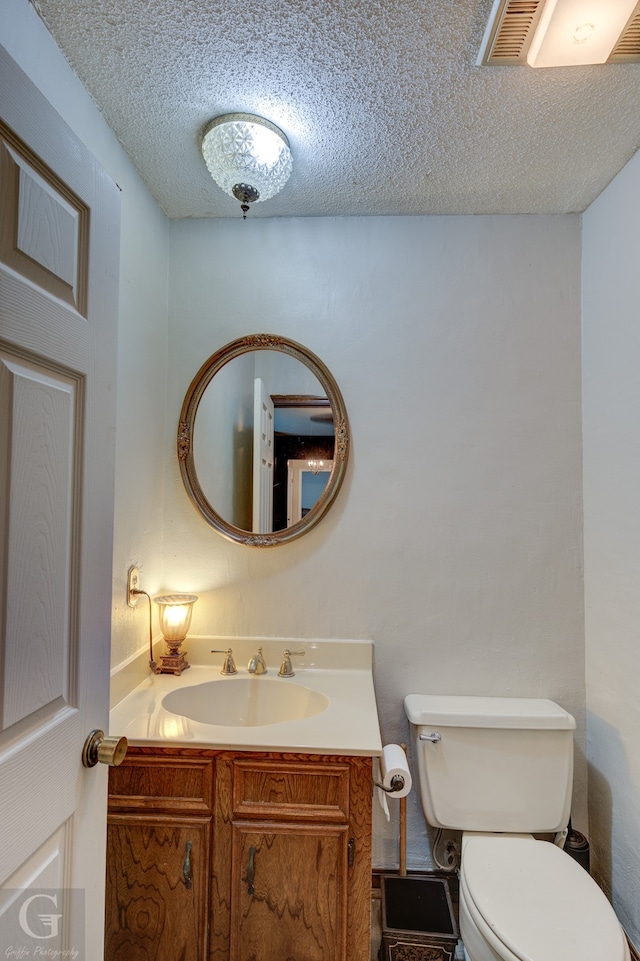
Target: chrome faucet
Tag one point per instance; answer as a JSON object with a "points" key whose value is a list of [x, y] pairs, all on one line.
{"points": [[228, 665], [257, 664], [286, 668]]}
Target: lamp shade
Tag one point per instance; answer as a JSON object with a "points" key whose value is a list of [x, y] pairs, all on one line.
{"points": [[175, 612], [247, 156]]}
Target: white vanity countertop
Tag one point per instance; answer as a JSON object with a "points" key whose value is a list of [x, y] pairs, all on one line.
{"points": [[341, 670]]}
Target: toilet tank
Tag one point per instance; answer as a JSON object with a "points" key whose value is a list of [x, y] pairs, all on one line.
{"points": [[493, 763]]}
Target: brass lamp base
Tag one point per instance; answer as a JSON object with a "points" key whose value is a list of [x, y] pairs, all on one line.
{"points": [[173, 663]]}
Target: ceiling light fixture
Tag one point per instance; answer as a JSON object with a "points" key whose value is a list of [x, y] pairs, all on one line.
{"points": [[578, 32], [247, 156], [317, 466]]}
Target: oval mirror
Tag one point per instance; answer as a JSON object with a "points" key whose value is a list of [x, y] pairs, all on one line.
{"points": [[263, 440]]}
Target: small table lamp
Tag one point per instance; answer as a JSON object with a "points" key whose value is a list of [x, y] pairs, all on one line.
{"points": [[175, 612]]}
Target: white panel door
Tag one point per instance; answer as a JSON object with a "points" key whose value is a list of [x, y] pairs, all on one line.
{"points": [[263, 459], [297, 471], [59, 235]]}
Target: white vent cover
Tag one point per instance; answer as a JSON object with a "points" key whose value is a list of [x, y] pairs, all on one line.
{"points": [[510, 31], [512, 25]]}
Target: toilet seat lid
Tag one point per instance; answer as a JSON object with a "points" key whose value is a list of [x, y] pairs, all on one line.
{"points": [[538, 901]]}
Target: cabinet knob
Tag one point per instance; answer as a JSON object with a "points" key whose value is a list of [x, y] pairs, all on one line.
{"points": [[106, 750]]}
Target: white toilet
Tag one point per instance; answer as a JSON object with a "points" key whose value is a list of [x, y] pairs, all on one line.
{"points": [[500, 770]]}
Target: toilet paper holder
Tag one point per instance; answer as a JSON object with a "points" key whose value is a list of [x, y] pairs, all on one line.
{"points": [[393, 775], [396, 784]]}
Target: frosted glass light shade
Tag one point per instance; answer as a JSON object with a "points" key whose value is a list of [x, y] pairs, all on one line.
{"points": [[240, 148], [578, 32], [175, 615]]}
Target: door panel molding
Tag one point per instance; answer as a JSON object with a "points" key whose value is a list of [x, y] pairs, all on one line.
{"points": [[44, 227]]}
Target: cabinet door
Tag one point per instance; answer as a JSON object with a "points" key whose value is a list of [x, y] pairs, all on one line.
{"points": [[288, 899], [157, 888]]}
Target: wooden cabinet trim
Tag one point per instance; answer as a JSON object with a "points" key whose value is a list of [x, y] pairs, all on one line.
{"points": [[163, 783], [359, 879], [291, 789]]}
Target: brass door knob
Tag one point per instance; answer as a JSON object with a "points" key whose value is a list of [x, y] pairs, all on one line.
{"points": [[106, 750]]}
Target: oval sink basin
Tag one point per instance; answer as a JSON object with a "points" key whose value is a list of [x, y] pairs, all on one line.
{"points": [[245, 702]]}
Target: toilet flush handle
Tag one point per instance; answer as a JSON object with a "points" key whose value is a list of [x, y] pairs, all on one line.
{"points": [[435, 738]]}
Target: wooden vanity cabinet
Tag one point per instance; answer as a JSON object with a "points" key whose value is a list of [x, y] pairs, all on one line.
{"points": [[158, 858], [289, 845], [292, 858]]}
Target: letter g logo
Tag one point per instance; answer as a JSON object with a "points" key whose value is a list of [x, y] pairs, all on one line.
{"points": [[49, 921]]}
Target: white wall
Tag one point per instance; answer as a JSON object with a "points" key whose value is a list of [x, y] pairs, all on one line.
{"points": [[142, 322], [456, 540], [611, 372]]}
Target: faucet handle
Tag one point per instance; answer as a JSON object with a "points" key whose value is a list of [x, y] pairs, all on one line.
{"points": [[286, 669], [228, 665]]}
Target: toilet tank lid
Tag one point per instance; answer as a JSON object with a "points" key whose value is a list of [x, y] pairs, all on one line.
{"points": [[531, 713]]}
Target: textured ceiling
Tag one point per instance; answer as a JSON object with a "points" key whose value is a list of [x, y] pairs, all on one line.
{"points": [[384, 107]]}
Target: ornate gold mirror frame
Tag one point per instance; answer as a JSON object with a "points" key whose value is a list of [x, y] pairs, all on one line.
{"points": [[186, 431]]}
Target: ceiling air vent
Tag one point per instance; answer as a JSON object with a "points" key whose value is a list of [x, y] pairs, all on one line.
{"points": [[512, 26], [509, 32], [627, 49]]}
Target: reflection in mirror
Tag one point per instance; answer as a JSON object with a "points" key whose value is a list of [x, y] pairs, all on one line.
{"points": [[306, 480], [266, 453]]}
